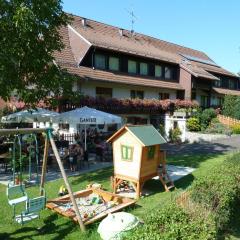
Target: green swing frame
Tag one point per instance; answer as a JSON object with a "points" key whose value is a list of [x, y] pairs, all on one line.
{"points": [[35, 205]]}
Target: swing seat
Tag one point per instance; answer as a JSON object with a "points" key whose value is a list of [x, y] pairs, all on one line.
{"points": [[17, 200], [33, 208], [13, 192], [21, 219]]}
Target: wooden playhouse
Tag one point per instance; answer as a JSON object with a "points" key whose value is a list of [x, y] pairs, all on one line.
{"points": [[137, 157]]}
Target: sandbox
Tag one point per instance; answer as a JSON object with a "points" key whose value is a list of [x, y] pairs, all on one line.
{"points": [[93, 204]]}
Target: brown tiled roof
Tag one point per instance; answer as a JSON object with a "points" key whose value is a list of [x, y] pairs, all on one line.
{"points": [[66, 55], [104, 76], [108, 37], [198, 72], [226, 91]]}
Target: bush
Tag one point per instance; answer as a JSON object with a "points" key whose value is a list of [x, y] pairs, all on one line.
{"points": [[175, 135], [206, 117], [236, 129], [162, 130], [193, 124], [219, 191], [229, 105], [218, 128], [171, 222]]}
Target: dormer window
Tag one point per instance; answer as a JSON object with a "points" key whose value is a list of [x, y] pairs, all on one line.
{"points": [[168, 73], [143, 69], [100, 61], [132, 66], [158, 71], [113, 63]]}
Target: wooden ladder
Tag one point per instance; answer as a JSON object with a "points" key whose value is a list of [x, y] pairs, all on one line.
{"points": [[165, 178]]}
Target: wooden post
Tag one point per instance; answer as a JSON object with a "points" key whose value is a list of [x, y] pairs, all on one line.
{"points": [[44, 165], [55, 151]]}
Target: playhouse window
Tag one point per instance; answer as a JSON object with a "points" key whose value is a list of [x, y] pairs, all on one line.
{"points": [[127, 153], [151, 152]]}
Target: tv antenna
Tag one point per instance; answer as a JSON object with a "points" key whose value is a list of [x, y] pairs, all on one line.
{"points": [[133, 19]]}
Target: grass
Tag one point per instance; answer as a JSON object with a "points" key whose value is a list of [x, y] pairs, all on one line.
{"points": [[53, 226]]}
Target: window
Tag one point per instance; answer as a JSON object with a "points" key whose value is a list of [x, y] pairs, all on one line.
{"points": [[103, 92], [220, 101], [132, 66], [137, 94], [143, 69], [232, 84], [114, 63], [163, 96], [127, 153], [100, 61], [63, 126], [158, 71], [194, 95], [204, 101], [217, 83], [151, 152], [168, 73]]}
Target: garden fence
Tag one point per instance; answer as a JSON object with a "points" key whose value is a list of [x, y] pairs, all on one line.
{"points": [[228, 120]]}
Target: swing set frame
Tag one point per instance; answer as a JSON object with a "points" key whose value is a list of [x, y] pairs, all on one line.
{"points": [[49, 141]]}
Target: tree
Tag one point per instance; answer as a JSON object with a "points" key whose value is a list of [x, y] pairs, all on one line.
{"points": [[29, 35], [229, 105], [237, 108]]}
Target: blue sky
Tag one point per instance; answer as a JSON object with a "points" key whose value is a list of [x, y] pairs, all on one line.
{"points": [[211, 26]]}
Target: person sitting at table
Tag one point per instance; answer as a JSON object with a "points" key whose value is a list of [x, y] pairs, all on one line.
{"points": [[79, 153], [72, 158]]}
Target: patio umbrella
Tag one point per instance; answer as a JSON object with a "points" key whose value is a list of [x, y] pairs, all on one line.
{"points": [[30, 116], [86, 116]]}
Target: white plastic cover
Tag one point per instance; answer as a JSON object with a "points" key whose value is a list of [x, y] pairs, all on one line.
{"points": [[116, 224]]}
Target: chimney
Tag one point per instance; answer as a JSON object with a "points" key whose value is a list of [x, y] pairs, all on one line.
{"points": [[121, 32], [84, 22]]}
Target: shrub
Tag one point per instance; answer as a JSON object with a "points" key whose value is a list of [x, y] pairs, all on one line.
{"points": [[172, 222], [236, 129], [193, 124], [219, 128], [229, 105], [237, 108], [162, 130], [219, 191], [206, 117], [175, 135]]}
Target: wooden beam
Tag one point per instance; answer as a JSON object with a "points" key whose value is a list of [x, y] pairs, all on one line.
{"points": [[75, 207], [22, 131], [44, 165]]}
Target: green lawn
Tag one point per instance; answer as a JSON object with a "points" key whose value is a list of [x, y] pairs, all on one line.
{"points": [[53, 226]]}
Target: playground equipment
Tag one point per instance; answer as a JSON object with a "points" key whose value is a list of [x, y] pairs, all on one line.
{"points": [[36, 204], [17, 158], [33, 150], [16, 194], [137, 157], [93, 204], [32, 210]]}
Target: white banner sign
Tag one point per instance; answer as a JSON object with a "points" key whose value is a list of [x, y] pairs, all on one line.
{"points": [[91, 120]]}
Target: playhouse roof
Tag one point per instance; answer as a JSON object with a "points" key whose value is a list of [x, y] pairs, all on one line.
{"points": [[147, 135]]}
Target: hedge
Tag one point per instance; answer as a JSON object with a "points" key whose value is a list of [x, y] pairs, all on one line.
{"points": [[171, 222], [219, 191]]}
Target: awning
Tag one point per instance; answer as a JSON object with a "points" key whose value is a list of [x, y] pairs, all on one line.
{"points": [[227, 91]]}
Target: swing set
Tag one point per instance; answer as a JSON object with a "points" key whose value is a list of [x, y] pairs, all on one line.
{"points": [[34, 205]]}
